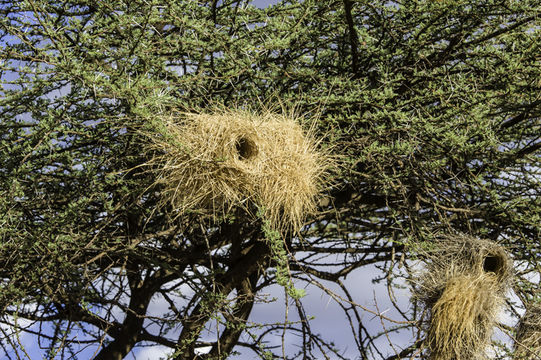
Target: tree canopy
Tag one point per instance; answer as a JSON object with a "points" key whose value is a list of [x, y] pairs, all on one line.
{"points": [[431, 110]]}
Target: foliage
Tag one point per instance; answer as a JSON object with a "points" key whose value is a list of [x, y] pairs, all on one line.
{"points": [[433, 107]]}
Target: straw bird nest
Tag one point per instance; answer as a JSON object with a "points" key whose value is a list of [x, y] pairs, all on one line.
{"points": [[462, 290], [528, 344], [262, 163]]}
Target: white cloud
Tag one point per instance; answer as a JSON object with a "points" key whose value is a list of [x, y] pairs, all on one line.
{"points": [[153, 353]]}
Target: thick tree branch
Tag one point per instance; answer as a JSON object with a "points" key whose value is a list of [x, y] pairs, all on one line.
{"points": [[353, 38], [249, 264], [243, 307]]}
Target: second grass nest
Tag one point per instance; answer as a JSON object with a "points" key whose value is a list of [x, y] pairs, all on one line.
{"points": [[462, 289]]}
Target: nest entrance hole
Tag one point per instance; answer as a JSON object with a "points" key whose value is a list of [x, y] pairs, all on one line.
{"points": [[493, 263], [246, 148]]}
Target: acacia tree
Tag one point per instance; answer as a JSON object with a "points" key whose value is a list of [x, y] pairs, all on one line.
{"points": [[433, 108]]}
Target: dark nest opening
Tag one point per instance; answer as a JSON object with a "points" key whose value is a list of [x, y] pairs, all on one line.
{"points": [[493, 263], [246, 148]]}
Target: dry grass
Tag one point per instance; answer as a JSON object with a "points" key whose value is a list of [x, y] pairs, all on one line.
{"points": [[463, 288], [462, 318], [213, 162], [528, 345]]}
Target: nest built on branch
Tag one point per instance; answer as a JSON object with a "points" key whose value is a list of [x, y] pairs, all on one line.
{"points": [[261, 162], [462, 290], [528, 344]]}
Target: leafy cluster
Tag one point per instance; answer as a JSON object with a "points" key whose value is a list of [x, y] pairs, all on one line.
{"points": [[432, 106]]}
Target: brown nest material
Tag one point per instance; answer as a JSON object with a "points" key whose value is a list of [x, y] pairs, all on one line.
{"points": [[462, 290], [213, 162], [528, 344]]}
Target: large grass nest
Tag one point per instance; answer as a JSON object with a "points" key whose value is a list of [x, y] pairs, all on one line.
{"points": [[528, 345], [462, 291], [264, 163]]}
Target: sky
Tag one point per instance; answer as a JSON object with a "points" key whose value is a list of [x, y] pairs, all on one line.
{"points": [[329, 318], [264, 3]]}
